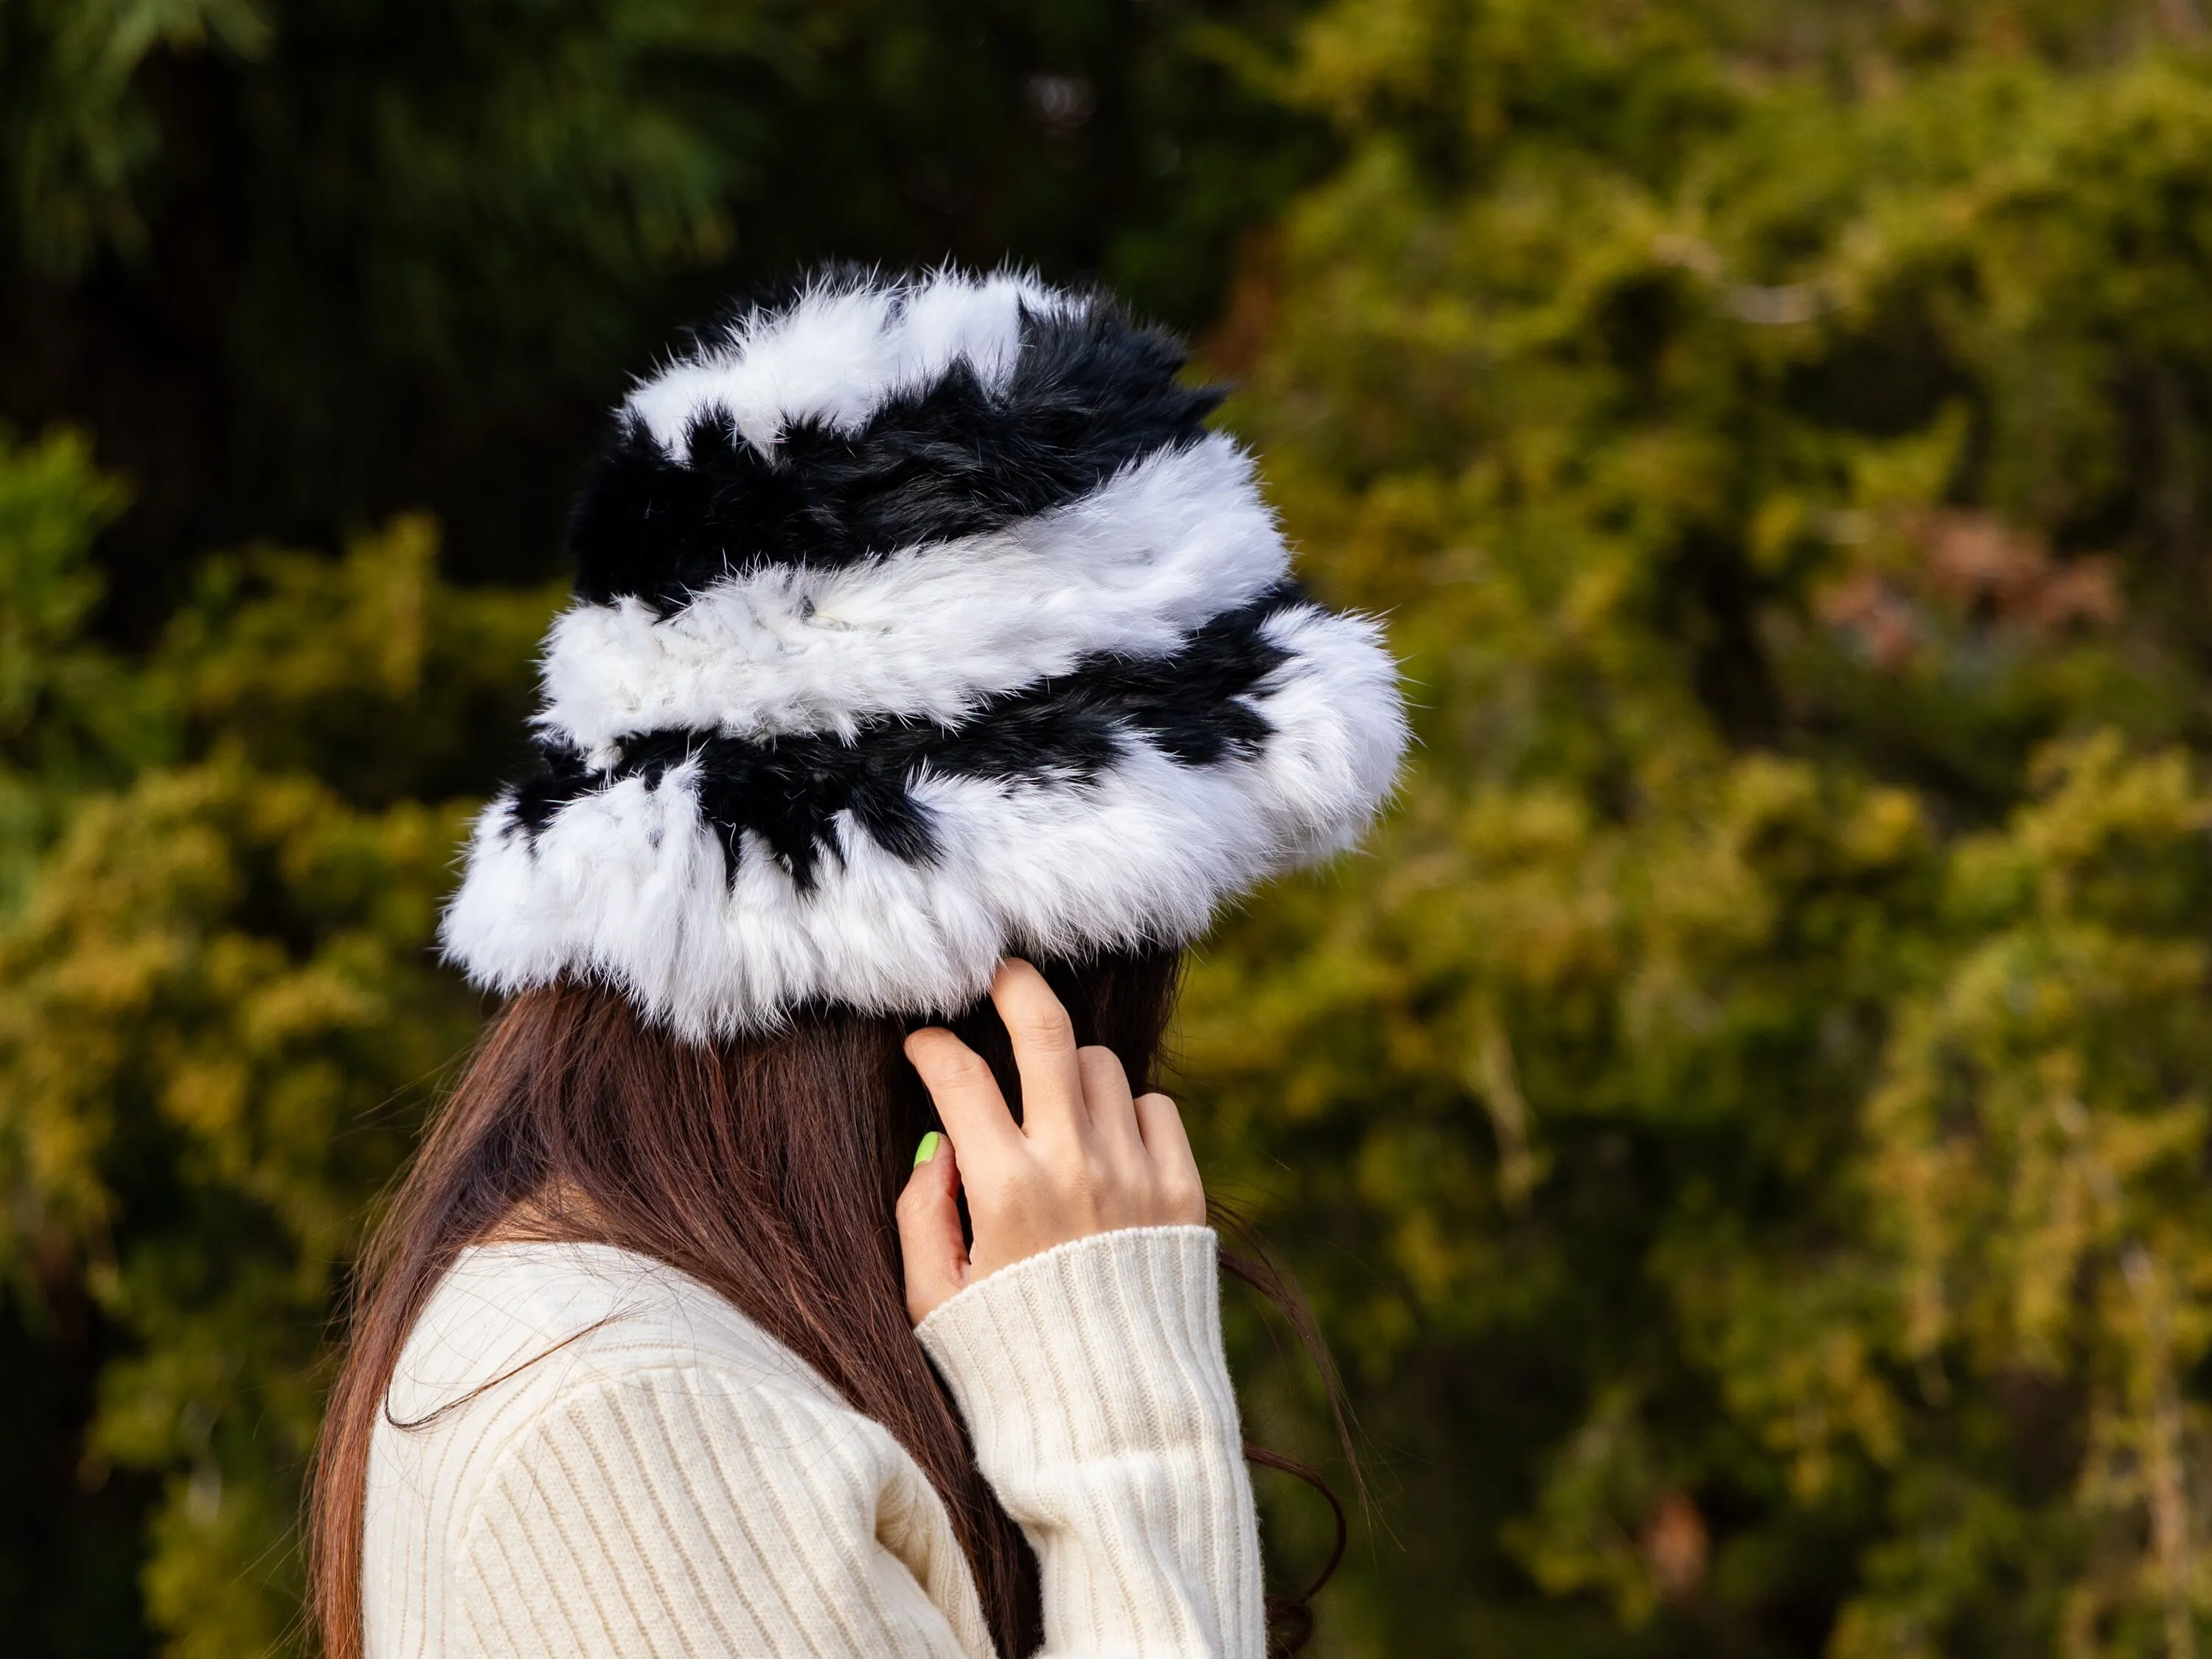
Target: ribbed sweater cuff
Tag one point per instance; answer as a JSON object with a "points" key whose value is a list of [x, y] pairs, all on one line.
{"points": [[1109, 1345]]}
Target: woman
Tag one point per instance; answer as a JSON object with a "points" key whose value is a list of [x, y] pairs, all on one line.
{"points": [[922, 632]]}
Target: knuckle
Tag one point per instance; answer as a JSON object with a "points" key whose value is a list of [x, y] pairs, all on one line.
{"points": [[1184, 1208], [1045, 1023], [1183, 1190], [964, 1069], [1101, 1063]]}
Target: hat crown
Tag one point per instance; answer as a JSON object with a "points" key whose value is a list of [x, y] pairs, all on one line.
{"points": [[916, 621]]}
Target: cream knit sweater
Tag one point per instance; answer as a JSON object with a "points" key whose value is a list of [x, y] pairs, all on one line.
{"points": [[651, 1474]]}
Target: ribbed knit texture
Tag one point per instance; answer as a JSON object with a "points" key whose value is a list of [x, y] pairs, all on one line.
{"points": [[650, 1473]]}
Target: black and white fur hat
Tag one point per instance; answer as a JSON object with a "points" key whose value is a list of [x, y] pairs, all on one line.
{"points": [[917, 621]]}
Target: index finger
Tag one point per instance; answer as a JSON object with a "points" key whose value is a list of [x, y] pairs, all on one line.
{"points": [[975, 1115], [1043, 1039]]}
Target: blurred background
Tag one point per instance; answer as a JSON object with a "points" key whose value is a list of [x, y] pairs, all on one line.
{"points": [[1745, 1123]]}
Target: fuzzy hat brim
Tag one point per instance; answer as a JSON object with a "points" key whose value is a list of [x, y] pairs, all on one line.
{"points": [[918, 623]]}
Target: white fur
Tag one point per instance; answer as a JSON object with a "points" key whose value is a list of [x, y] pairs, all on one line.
{"points": [[628, 885], [839, 354], [1135, 566]]}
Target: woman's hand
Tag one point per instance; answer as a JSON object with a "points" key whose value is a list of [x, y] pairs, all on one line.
{"points": [[1086, 1158]]}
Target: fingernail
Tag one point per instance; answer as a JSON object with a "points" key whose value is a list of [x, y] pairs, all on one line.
{"points": [[927, 1149]]}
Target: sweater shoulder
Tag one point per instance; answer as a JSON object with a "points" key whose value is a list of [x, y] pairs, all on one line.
{"points": [[671, 1509], [610, 1386], [538, 1320], [516, 1332]]}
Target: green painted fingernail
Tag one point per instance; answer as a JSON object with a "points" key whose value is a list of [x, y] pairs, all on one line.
{"points": [[927, 1149]]}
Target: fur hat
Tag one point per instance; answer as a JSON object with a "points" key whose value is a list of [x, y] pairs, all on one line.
{"points": [[917, 621]]}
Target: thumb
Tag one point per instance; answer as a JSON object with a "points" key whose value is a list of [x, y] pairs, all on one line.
{"points": [[930, 1242]]}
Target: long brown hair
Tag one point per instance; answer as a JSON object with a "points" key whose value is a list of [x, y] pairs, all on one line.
{"points": [[765, 1167]]}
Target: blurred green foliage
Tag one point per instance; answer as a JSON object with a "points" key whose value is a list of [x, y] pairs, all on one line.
{"points": [[299, 265], [1743, 1123], [221, 1019], [1745, 1120]]}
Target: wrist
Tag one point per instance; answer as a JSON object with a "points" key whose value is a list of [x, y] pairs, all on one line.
{"points": [[1088, 1349]]}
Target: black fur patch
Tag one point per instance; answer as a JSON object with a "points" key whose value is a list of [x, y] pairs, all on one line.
{"points": [[1064, 731], [1090, 393]]}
